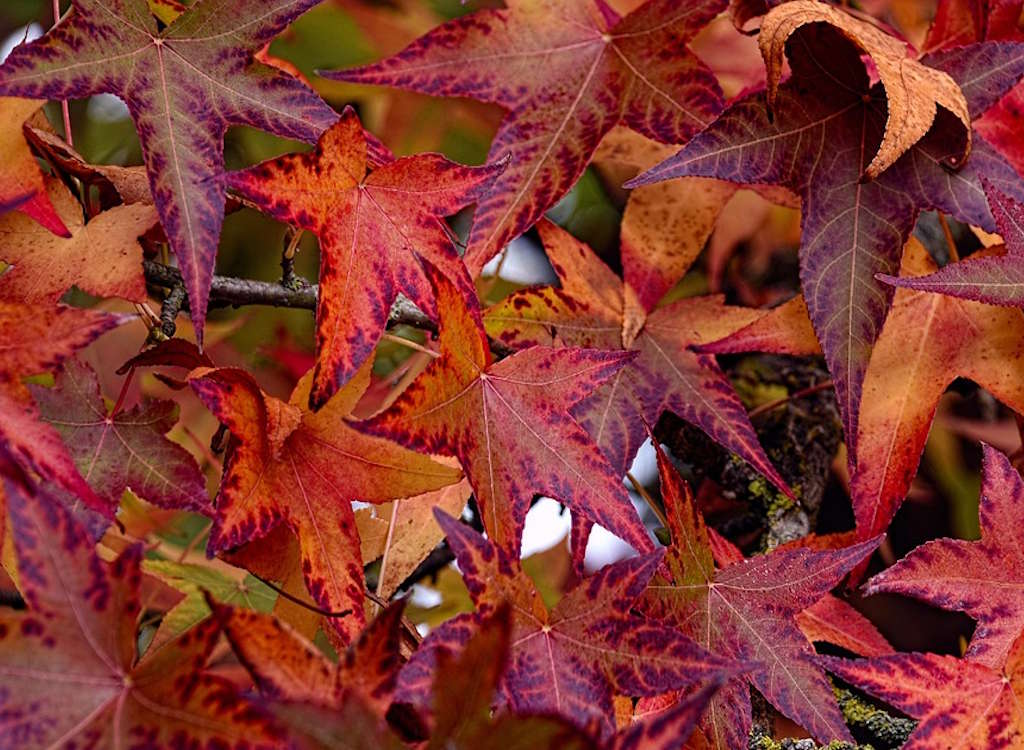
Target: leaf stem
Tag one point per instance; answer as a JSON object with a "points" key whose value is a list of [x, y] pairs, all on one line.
{"points": [[296, 600], [803, 393], [64, 107], [954, 256]]}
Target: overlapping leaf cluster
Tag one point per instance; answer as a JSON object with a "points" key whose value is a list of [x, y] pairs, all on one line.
{"points": [[330, 503]]}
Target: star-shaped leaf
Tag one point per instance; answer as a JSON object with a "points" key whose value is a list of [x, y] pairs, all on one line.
{"points": [[828, 121], [184, 85], [290, 465], [69, 667], [958, 702], [995, 278], [913, 92], [746, 611], [373, 230], [566, 72], [37, 339], [21, 183], [102, 257], [509, 426], [664, 226], [927, 342], [592, 307], [570, 660], [958, 23], [983, 578], [288, 667], [115, 451]]}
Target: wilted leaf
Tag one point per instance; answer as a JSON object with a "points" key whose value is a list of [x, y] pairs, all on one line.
{"points": [[913, 91], [828, 119]]}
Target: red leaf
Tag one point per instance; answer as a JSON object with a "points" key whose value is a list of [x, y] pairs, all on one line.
{"points": [[984, 578], [373, 231], [304, 469], [828, 122], [508, 425], [832, 620], [103, 257], [592, 307], [747, 611], [21, 183], [290, 668], [566, 72], [569, 660], [123, 450], [958, 702], [69, 668], [993, 278], [184, 86], [38, 339]]}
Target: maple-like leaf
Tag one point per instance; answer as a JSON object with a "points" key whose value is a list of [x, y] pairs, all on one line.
{"points": [[566, 72], [509, 426], [828, 122], [373, 230], [184, 85], [913, 92], [70, 674], [664, 226], [37, 339], [102, 257], [746, 611], [958, 702], [997, 279], [115, 451], [570, 660], [960, 22], [21, 183], [927, 342], [983, 578], [832, 620], [406, 532], [462, 717], [290, 465], [592, 307], [288, 667]]}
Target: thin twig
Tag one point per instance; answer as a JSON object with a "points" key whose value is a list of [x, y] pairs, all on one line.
{"points": [[296, 600], [803, 393], [228, 291], [387, 545], [410, 345], [409, 628], [642, 492], [954, 256], [64, 107]]}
